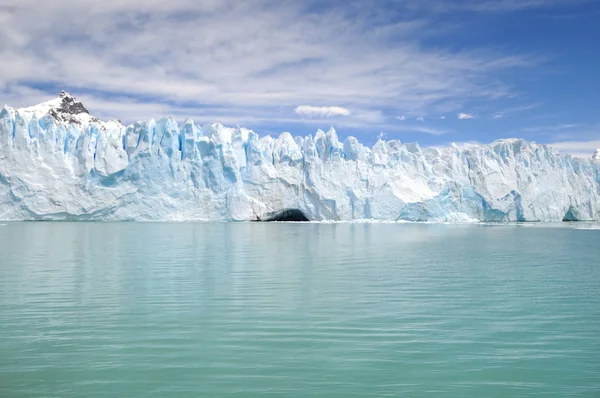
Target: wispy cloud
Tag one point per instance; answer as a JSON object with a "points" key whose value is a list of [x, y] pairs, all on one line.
{"points": [[402, 118], [553, 128], [498, 6], [213, 58], [425, 130], [420, 119], [500, 113], [521, 108], [321, 111], [465, 116]]}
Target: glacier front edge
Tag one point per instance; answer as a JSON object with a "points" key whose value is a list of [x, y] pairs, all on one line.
{"points": [[157, 170]]}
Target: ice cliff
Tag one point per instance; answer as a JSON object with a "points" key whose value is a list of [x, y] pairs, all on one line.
{"points": [[59, 163]]}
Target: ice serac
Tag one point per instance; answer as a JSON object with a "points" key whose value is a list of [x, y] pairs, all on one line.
{"points": [[59, 163]]}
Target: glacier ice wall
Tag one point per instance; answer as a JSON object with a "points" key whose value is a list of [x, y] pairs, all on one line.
{"points": [[157, 170]]}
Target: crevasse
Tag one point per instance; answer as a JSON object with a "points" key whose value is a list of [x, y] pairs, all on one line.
{"points": [[52, 168]]}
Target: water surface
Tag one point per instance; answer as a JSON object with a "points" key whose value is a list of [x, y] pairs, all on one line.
{"points": [[253, 310]]}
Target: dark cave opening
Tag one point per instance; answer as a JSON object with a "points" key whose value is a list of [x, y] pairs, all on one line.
{"points": [[288, 215]]}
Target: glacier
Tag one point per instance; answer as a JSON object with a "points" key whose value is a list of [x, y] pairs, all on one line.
{"points": [[59, 163]]}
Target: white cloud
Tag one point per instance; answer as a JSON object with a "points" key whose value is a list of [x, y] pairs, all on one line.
{"points": [[400, 117], [465, 116], [194, 55], [583, 149], [321, 111], [420, 119], [442, 117], [498, 116]]}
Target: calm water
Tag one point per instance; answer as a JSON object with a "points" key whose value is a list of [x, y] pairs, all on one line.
{"points": [[140, 310]]}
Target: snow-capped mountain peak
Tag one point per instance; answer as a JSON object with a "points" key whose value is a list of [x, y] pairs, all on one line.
{"points": [[596, 155], [65, 109]]}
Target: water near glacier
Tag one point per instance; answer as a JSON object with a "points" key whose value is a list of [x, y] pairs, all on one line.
{"points": [[254, 310], [59, 163]]}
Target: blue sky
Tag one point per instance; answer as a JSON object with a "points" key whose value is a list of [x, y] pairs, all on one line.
{"points": [[431, 71]]}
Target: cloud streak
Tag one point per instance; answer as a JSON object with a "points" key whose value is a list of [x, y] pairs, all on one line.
{"points": [[321, 111], [549, 128], [495, 6], [464, 116]]}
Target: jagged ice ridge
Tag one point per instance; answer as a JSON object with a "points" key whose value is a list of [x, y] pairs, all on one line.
{"points": [[59, 163]]}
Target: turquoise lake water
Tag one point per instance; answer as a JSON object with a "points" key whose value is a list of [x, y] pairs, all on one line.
{"points": [[303, 310]]}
